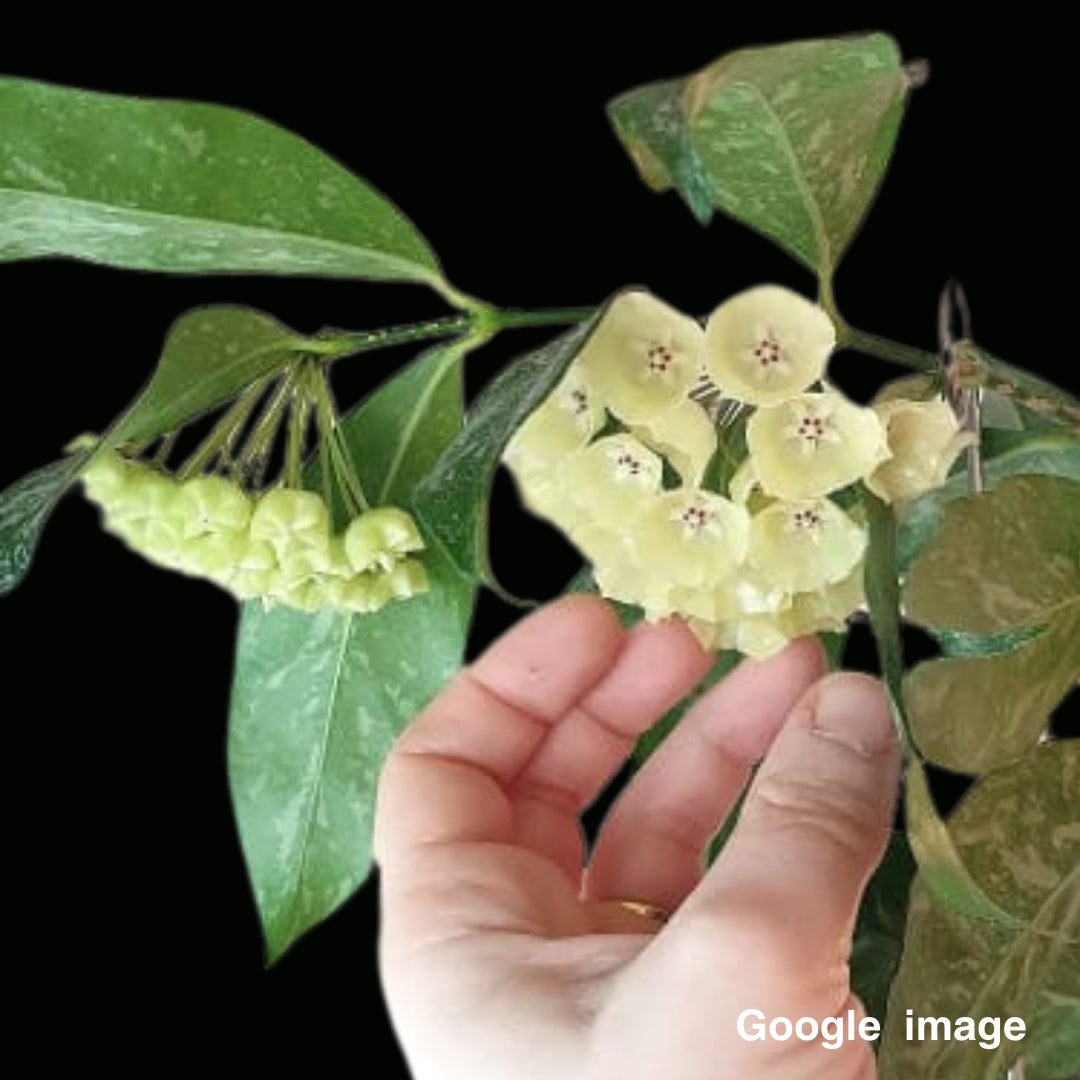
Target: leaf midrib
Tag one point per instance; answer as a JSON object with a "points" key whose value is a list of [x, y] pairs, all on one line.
{"points": [[420, 272], [452, 356], [817, 222]]}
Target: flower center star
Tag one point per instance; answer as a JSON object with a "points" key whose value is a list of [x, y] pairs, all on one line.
{"points": [[659, 359], [626, 466], [807, 520], [766, 356], [696, 522], [811, 427]]}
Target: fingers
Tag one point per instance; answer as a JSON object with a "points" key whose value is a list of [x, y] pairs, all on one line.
{"points": [[523, 740], [814, 825], [651, 846], [446, 776], [659, 663]]}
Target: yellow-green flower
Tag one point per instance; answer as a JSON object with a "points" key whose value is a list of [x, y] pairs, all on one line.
{"points": [[804, 546], [685, 435], [767, 344], [813, 444], [925, 439], [642, 357]]}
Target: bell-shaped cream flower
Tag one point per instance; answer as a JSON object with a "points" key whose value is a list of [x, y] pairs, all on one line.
{"points": [[925, 439], [609, 480], [805, 545], [213, 504], [685, 435], [813, 444], [287, 519], [689, 537], [642, 357], [767, 344], [380, 538], [566, 420]]}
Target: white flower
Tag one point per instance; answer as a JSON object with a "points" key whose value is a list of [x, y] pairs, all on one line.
{"points": [[643, 356], [767, 344], [813, 444], [925, 439]]}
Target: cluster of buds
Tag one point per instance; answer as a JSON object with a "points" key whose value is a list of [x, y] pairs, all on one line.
{"points": [[278, 547], [619, 455]]}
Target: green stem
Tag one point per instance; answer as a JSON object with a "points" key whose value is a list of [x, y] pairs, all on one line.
{"points": [[330, 434], [224, 432], [257, 449], [894, 351], [334, 345]]}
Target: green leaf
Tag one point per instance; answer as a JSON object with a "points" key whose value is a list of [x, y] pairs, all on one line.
{"points": [[24, 509], [941, 868], [1018, 831], [400, 433], [318, 699], [879, 930], [974, 714], [1002, 560], [452, 498], [789, 139], [210, 354], [185, 187], [1038, 454], [1002, 579]]}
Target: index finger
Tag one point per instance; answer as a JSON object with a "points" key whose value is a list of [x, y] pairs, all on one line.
{"points": [[446, 777]]}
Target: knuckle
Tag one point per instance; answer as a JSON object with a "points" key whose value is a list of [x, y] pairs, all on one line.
{"points": [[833, 812]]}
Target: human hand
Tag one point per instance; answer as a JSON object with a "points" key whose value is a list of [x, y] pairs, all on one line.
{"points": [[502, 956]]}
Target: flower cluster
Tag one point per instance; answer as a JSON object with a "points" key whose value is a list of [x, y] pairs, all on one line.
{"points": [[621, 458], [278, 546]]}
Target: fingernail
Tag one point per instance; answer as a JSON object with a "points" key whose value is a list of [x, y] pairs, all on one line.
{"points": [[852, 709]]}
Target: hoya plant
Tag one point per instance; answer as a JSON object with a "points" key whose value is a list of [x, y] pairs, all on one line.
{"points": [[705, 464]]}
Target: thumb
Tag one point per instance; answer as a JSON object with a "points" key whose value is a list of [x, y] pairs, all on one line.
{"points": [[814, 824]]}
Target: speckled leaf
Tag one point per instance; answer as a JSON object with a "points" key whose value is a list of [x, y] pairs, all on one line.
{"points": [[790, 139], [185, 187], [941, 867], [1039, 454], [1004, 565], [972, 714], [24, 509], [400, 433], [210, 354], [1018, 831], [1003, 559], [452, 498], [318, 699]]}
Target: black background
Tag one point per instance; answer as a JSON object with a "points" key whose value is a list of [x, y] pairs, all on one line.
{"points": [[128, 901]]}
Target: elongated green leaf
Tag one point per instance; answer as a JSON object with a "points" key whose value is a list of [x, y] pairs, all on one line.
{"points": [[789, 139], [1018, 831], [24, 509], [452, 498], [210, 354], [318, 699], [185, 187], [1004, 567], [400, 434], [1038, 454]]}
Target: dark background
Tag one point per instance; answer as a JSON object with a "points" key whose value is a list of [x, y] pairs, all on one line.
{"points": [[122, 859]]}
